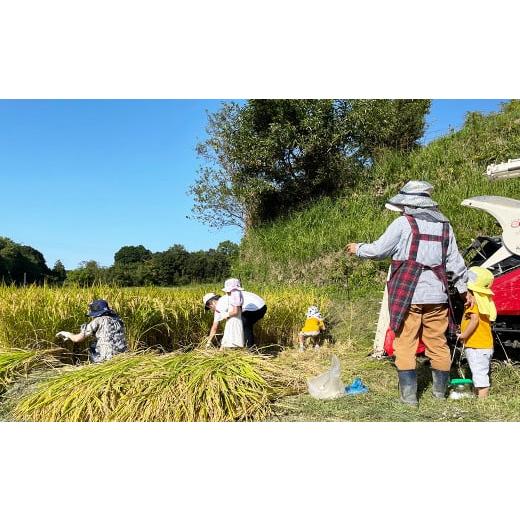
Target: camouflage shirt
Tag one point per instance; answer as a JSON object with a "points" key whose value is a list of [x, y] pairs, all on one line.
{"points": [[109, 333]]}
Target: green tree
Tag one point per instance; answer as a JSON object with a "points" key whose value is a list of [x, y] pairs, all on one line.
{"points": [[131, 275], [59, 274], [88, 273], [222, 193], [228, 248], [132, 254], [267, 157], [376, 125], [169, 267], [19, 263]]}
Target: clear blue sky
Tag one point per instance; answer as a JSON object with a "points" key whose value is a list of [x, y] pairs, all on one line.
{"points": [[80, 179]]}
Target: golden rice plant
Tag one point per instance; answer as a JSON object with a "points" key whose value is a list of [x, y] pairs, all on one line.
{"points": [[31, 316], [164, 318], [194, 386]]}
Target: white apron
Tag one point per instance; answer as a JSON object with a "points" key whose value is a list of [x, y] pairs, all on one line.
{"points": [[233, 332]]}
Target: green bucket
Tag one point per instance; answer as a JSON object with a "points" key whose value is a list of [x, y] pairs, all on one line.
{"points": [[460, 389], [461, 382]]}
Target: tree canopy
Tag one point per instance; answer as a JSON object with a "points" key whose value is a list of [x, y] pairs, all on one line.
{"points": [[131, 254], [19, 264], [267, 157], [136, 266]]}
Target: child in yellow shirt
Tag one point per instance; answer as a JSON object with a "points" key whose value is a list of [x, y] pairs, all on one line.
{"points": [[476, 330], [313, 326]]}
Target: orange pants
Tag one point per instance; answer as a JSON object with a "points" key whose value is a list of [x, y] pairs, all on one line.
{"points": [[429, 322]]}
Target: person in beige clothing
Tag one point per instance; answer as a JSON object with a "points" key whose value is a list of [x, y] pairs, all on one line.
{"points": [[423, 249]]}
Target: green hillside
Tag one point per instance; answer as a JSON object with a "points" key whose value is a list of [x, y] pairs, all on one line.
{"points": [[307, 246]]}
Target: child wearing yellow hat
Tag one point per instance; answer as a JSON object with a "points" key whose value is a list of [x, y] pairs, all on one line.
{"points": [[475, 328]]}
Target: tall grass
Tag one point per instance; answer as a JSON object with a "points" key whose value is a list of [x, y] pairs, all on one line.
{"points": [[194, 386], [307, 246]]}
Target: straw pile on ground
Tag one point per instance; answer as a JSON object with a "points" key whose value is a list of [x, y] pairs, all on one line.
{"points": [[15, 364], [194, 386]]}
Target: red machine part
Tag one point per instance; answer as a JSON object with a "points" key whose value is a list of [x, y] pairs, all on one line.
{"points": [[389, 344], [507, 293]]}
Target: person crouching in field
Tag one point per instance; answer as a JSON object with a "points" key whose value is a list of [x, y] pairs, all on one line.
{"points": [[254, 309], [312, 328], [106, 327], [476, 328], [227, 308]]}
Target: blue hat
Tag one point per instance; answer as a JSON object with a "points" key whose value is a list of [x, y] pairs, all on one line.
{"points": [[98, 308]]}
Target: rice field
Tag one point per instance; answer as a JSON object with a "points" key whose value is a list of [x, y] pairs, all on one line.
{"points": [[164, 377], [39, 383], [157, 318]]}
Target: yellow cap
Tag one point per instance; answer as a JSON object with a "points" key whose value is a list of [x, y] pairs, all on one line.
{"points": [[481, 280]]}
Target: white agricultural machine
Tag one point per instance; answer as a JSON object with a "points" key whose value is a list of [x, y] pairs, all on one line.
{"points": [[499, 254]]}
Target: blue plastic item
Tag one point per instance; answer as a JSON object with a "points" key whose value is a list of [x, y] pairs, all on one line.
{"points": [[357, 387]]}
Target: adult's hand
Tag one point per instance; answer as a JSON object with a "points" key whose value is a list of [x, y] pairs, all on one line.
{"points": [[352, 248]]}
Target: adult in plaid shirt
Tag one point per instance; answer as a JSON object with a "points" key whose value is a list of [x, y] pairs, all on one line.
{"points": [[423, 249]]}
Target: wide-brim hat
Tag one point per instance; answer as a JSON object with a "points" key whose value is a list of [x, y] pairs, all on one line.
{"points": [[232, 284], [97, 308], [391, 207], [413, 193], [480, 280], [207, 298]]}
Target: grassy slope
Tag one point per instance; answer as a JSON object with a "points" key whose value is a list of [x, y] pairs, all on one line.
{"points": [[308, 246]]}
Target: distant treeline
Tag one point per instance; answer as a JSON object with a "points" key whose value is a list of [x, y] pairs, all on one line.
{"points": [[133, 266], [21, 264]]}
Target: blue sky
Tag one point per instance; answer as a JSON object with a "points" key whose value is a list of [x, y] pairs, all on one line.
{"points": [[80, 179]]}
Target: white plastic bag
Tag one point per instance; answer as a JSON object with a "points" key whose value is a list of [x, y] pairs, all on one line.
{"points": [[328, 385]]}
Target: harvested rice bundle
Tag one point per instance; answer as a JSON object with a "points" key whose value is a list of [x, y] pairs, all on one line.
{"points": [[194, 386], [19, 363]]}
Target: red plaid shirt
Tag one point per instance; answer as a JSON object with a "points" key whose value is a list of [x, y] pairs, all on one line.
{"points": [[405, 275]]}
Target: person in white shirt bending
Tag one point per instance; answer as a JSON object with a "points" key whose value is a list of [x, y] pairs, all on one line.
{"points": [[253, 310]]}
